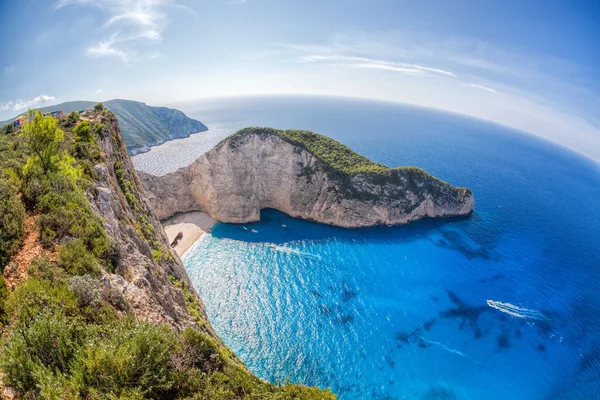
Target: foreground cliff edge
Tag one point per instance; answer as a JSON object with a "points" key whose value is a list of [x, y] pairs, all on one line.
{"points": [[304, 175], [93, 302]]}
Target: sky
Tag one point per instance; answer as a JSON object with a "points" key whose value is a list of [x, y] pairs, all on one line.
{"points": [[528, 64]]}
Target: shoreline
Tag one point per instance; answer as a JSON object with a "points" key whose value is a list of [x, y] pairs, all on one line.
{"points": [[193, 225]]}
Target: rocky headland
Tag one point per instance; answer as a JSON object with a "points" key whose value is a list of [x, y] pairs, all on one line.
{"points": [[304, 175]]}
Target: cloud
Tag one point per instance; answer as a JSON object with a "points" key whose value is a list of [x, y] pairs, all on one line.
{"points": [[99, 91], [27, 104], [369, 63], [130, 25], [482, 87], [9, 68], [106, 48]]}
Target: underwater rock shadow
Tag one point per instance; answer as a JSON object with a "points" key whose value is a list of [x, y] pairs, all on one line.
{"points": [[507, 327]]}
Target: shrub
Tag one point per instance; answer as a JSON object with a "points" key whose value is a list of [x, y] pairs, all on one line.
{"points": [[99, 107], [124, 183], [83, 132], [69, 215], [42, 269], [73, 117], [41, 351], [85, 151], [12, 219], [197, 350], [35, 296], [75, 258], [129, 355], [87, 290]]}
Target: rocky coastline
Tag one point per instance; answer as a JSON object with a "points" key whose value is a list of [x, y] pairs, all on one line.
{"points": [[304, 175]]}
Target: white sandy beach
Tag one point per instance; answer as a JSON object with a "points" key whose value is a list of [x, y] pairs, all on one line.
{"points": [[193, 225]]}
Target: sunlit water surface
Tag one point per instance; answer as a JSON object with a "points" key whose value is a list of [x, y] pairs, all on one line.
{"points": [[502, 305]]}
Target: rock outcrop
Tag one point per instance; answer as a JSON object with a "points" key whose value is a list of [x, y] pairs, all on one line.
{"points": [[304, 175]]}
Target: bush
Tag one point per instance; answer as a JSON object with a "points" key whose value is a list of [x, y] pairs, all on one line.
{"points": [[41, 351], [69, 215], [42, 269], [12, 220], [129, 355], [83, 132], [99, 107], [87, 290], [75, 258], [73, 117], [35, 296], [198, 350]]}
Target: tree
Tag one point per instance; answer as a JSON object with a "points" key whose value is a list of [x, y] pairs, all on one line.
{"points": [[43, 138], [83, 131], [99, 107], [73, 117], [8, 129]]}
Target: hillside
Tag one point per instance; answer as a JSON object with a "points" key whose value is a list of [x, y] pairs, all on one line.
{"points": [[142, 126], [93, 302], [304, 175]]}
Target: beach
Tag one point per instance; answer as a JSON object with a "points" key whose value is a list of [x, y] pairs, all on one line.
{"points": [[192, 224]]}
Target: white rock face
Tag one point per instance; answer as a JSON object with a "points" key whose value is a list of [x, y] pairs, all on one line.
{"points": [[238, 178]]}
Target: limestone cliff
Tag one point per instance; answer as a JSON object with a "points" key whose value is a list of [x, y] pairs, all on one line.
{"points": [[304, 175], [144, 261]]}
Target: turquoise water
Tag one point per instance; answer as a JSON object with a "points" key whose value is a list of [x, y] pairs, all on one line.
{"points": [[502, 305]]}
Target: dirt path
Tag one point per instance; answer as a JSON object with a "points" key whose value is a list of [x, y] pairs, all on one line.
{"points": [[31, 248]]}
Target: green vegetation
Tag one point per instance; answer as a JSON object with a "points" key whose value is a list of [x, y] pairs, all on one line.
{"points": [[3, 297], [67, 335], [12, 218], [99, 107], [43, 139], [73, 117]]}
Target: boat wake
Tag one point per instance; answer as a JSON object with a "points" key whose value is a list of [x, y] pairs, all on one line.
{"points": [[449, 349], [516, 311], [288, 250]]}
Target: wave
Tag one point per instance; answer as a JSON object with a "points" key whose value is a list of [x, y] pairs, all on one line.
{"points": [[516, 311]]}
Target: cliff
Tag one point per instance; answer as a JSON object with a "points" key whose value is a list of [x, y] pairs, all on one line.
{"points": [[93, 302], [143, 256], [304, 175]]}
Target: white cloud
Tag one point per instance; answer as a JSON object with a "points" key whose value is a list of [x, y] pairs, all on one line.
{"points": [[369, 63], [27, 104], [106, 48], [131, 24], [10, 68], [482, 87], [99, 91]]}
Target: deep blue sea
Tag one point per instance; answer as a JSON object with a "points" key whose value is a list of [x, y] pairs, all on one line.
{"points": [[502, 305]]}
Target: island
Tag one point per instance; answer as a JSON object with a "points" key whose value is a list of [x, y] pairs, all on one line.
{"points": [[305, 175]]}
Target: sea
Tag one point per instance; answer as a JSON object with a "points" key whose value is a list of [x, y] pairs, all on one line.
{"points": [[504, 304]]}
